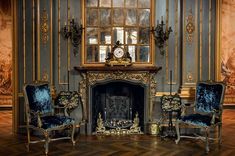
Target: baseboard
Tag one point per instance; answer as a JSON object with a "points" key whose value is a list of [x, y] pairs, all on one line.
{"points": [[5, 107], [229, 106]]}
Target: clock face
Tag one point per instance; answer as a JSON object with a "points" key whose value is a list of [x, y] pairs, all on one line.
{"points": [[118, 52]]}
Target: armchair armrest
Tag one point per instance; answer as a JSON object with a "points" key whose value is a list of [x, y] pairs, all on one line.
{"points": [[65, 108], [214, 114], [185, 106], [38, 115]]}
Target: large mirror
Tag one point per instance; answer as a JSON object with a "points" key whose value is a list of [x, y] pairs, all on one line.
{"points": [[109, 21]]}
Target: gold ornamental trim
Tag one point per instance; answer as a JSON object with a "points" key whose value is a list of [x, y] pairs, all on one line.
{"points": [[44, 26], [190, 26]]}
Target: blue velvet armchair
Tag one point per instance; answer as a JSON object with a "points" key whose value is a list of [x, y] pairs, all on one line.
{"points": [[40, 115], [208, 108]]}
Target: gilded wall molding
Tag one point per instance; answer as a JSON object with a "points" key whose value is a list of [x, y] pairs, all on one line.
{"points": [[209, 36], [176, 43], [38, 42], [44, 27], [33, 39], [190, 26], [24, 46], [200, 50]]}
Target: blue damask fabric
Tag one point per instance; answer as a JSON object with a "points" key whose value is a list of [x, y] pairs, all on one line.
{"points": [[39, 98], [208, 97], [53, 121], [199, 120]]}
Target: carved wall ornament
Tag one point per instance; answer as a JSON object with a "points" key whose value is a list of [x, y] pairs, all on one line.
{"points": [[45, 76], [44, 26], [189, 77], [190, 26]]}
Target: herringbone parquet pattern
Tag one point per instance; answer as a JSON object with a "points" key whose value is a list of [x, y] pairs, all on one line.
{"points": [[133, 145]]}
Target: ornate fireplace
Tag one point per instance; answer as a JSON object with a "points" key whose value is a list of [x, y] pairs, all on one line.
{"points": [[117, 94]]}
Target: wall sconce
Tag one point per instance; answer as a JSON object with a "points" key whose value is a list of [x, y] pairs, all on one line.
{"points": [[74, 32], [161, 35]]}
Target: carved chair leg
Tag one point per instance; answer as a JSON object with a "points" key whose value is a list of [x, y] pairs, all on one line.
{"points": [[177, 131], [207, 139], [28, 136], [72, 135], [47, 140], [220, 133]]}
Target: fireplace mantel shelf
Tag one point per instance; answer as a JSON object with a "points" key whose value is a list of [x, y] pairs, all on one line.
{"points": [[153, 69]]}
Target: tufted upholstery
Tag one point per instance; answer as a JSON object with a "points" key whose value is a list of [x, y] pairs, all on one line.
{"points": [[208, 97], [40, 115], [39, 98], [52, 121], [208, 111], [199, 120]]}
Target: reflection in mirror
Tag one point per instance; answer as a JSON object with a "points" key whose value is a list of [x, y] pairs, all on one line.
{"points": [[92, 17], [131, 17], [105, 17], [91, 3], [132, 51], [144, 54], [144, 4], [144, 35], [131, 36], [92, 36], [118, 16], [118, 34], [92, 53], [105, 36], [118, 3], [131, 3], [105, 3], [104, 50], [144, 17]]}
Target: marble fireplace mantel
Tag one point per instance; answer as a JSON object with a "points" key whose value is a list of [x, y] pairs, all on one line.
{"points": [[96, 75]]}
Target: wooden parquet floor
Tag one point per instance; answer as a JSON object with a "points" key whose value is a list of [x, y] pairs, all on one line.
{"points": [[133, 145]]}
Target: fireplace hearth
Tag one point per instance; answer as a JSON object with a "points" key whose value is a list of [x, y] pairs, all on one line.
{"points": [[118, 102]]}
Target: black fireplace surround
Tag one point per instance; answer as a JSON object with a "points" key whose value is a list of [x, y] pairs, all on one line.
{"points": [[117, 100]]}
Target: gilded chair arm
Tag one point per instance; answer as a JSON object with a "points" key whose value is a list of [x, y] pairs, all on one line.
{"points": [[38, 115], [39, 120], [214, 112], [185, 106]]}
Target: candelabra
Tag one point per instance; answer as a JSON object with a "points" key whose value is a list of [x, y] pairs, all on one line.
{"points": [[74, 32], [161, 35]]}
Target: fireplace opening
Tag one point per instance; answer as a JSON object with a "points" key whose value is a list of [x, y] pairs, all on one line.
{"points": [[118, 102]]}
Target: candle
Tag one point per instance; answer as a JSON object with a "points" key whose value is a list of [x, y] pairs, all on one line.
{"points": [[170, 81], [161, 18], [68, 79]]}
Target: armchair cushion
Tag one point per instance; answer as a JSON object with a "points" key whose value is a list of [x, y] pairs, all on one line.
{"points": [[52, 121], [208, 97], [199, 120], [39, 98]]}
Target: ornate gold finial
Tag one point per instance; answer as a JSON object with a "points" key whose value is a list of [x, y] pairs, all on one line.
{"points": [[135, 127], [100, 125]]}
